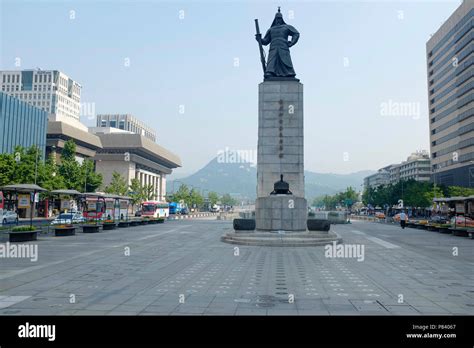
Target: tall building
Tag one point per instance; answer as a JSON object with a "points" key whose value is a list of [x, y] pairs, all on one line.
{"points": [[450, 90], [126, 122], [49, 90], [21, 124]]}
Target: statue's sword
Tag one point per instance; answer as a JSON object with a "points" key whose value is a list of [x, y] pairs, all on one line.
{"points": [[260, 47]]}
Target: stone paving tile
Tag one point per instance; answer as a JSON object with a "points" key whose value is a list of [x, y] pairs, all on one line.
{"points": [[187, 258]]}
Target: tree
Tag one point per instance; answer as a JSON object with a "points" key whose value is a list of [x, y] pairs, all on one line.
{"points": [[457, 191], [118, 185], [48, 175], [136, 192], [70, 169], [148, 192], [182, 194], [213, 198], [195, 198], [227, 199], [89, 178]]}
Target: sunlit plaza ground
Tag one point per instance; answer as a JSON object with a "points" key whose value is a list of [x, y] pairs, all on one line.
{"points": [[182, 268]]}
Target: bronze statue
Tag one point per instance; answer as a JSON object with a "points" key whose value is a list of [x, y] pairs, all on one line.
{"points": [[278, 65]]}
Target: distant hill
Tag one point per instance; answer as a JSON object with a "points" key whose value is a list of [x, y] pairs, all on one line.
{"points": [[240, 180]]}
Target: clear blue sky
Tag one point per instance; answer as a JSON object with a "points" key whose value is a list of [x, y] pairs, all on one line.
{"points": [[190, 62]]}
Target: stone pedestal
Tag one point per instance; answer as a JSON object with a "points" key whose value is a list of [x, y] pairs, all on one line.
{"points": [[280, 136], [280, 219], [281, 212]]}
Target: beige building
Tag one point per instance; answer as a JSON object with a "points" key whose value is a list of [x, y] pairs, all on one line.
{"points": [[134, 156], [450, 89], [59, 132]]}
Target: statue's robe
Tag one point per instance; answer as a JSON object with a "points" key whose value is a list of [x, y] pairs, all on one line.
{"points": [[279, 60]]}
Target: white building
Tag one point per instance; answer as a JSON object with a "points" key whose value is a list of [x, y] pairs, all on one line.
{"points": [[49, 90], [416, 167], [126, 122]]}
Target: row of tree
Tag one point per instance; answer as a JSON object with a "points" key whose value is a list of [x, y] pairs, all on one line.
{"points": [[413, 193], [342, 199], [139, 193], [193, 197], [26, 165]]}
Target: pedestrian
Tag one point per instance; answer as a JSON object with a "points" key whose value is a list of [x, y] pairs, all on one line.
{"points": [[403, 219]]}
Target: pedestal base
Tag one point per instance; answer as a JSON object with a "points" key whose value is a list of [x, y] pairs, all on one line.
{"points": [[287, 239], [281, 212]]}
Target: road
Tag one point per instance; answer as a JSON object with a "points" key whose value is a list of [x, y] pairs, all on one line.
{"points": [[181, 268]]}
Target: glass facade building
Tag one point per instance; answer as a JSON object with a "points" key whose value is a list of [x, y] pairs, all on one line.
{"points": [[450, 60], [21, 124]]}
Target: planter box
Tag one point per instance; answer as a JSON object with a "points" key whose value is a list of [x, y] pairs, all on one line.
{"points": [[444, 229], [90, 228], [153, 221], [64, 231], [318, 225], [124, 224], [459, 232], [134, 223], [109, 226], [160, 220], [144, 222], [23, 236]]}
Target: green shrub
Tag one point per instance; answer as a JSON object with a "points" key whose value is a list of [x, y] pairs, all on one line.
{"points": [[23, 228]]}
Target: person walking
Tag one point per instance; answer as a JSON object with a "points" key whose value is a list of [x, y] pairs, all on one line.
{"points": [[403, 219]]}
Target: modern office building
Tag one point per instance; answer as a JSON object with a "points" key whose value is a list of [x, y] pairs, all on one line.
{"points": [[21, 124], [416, 167], [134, 156], [49, 90], [126, 122], [450, 89]]}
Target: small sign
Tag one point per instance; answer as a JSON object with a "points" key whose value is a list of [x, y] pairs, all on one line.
{"points": [[460, 208], [23, 201], [65, 204]]}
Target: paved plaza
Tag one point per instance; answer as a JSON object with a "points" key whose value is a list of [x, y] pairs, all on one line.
{"points": [[182, 268]]}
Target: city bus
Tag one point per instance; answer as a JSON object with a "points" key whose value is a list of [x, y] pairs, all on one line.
{"points": [[94, 208], [155, 209]]}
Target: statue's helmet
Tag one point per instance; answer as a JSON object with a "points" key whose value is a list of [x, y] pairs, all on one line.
{"points": [[278, 18]]}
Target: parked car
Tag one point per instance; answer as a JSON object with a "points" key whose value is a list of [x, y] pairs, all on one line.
{"points": [[438, 219], [380, 215], [138, 213], [68, 218], [184, 211], [9, 217], [215, 208], [462, 221]]}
